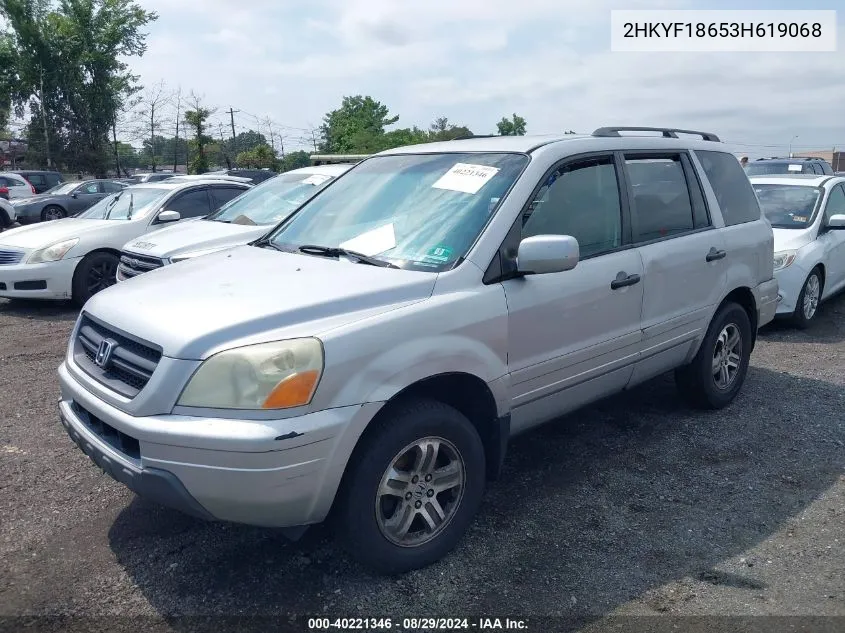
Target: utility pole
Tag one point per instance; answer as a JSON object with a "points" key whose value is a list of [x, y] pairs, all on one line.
{"points": [[44, 119], [314, 139], [232, 119], [176, 140], [282, 145], [223, 147]]}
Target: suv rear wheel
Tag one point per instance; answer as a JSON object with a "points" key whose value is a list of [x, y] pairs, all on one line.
{"points": [[413, 489], [716, 374]]}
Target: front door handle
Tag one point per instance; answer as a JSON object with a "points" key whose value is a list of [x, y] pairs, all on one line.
{"points": [[715, 254], [624, 279]]}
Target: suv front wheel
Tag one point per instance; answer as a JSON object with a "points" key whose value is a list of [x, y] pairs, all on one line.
{"points": [[413, 488], [716, 374]]}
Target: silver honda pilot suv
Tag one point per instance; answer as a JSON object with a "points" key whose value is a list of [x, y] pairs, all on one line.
{"points": [[368, 359]]}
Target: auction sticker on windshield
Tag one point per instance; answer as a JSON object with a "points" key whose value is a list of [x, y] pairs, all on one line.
{"points": [[373, 242], [466, 178], [316, 179], [794, 168]]}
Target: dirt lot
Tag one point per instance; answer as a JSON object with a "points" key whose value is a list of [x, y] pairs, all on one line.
{"points": [[636, 506]]}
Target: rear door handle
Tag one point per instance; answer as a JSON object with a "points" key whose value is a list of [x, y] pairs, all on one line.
{"points": [[624, 279], [715, 254]]}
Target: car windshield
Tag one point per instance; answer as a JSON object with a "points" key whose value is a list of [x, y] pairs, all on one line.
{"points": [[131, 203], [65, 187], [416, 211], [764, 168], [788, 206], [271, 201]]}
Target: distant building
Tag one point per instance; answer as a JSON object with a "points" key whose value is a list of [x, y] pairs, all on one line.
{"points": [[836, 159], [12, 152]]}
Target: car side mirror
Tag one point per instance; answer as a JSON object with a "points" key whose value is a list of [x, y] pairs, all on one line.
{"points": [[169, 216], [74, 195], [541, 254], [836, 222]]}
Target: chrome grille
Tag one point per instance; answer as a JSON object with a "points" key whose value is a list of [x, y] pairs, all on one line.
{"points": [[132, 265], [127, 366], [7, 258]]}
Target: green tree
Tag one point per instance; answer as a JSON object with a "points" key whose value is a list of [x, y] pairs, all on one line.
{"points": [[512, 127], [443, 130], [356, 127], [196, 120], [69, 70], [259, 157], [295, 160], [244, 142]]}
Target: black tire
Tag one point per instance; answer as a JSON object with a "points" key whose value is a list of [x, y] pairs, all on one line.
{"points": [[697, 382], [354, 517], [52, 212], [799, 318], [92, 275]]}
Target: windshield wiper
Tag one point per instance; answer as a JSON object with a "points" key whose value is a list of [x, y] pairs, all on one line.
{"points": [[111, 206], [333, 251], [131, 204]]}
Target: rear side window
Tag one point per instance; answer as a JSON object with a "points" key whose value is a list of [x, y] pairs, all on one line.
{"points": [[192, 204], [53, 179], [662, 204], [36, 179], [731, 186], [111, 187]]}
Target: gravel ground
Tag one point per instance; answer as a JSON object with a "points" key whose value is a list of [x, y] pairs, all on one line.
{"points": [[636, 506]]}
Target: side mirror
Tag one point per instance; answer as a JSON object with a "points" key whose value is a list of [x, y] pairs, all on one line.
{"points": [[836, 222], [169, 216], [74, 195], [542, 254]]}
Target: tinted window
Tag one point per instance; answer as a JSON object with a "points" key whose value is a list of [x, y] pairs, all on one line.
{"points": [[193, 204], [661, 199], [222, 195], [111, 187], [4, 182], [36, 179], [581, 200], [787, 206], [731, 186], [53, 179], [835, 203]]}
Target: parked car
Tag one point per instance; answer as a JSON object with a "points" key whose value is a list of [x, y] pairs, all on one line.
{"points": [[77, 257], [807, 214], [14, 187], [241, 220], [256, 176], [158, 176], [7, 214], [771, 166], [374, 352], [41, 180], [65, 200], [183, 178]]}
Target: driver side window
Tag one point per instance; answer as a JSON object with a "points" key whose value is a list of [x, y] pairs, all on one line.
{"points": [[835, 203], [191, 204], [581, 200]]}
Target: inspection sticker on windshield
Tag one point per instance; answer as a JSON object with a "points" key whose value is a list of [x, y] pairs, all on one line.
{"points": [[316, 179], [439, 253], [466, 178], [795, 168]]}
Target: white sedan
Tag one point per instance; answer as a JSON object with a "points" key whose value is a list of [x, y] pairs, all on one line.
{"points": [[807, 214], [76, 257]]}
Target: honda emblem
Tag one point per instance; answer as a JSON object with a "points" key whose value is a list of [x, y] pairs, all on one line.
{"points": [[104, 352]]}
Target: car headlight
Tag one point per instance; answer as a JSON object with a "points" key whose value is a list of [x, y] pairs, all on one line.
{"points": [[784, 259], [190, 255], [52, 253], [277, 375]]}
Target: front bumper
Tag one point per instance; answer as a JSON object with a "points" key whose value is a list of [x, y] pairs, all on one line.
{"points": [[53, 280], [790, 281], [766, 298], [288, 478]]}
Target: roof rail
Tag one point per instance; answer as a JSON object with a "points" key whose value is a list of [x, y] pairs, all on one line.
{"points": [[667, 132]]}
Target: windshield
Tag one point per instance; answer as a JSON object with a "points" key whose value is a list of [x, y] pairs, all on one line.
{"points": [[271, 201], [421, 212], [764, 168], [788, 206], [140, 201], [65, 187]]}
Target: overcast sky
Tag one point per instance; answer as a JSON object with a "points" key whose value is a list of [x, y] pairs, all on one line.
{"points": [[477, 60]]}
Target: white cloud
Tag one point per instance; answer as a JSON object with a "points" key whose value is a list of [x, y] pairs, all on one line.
{"points": [[477, 60]]}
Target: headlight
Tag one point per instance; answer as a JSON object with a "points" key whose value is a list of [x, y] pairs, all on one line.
{"points": [[784, 259], [183, 256], [276, 375], [52, 253]]}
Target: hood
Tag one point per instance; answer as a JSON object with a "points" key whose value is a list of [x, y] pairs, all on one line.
{"points": [[46, 233], [792, 239], [194, 236], [248, 295]]}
